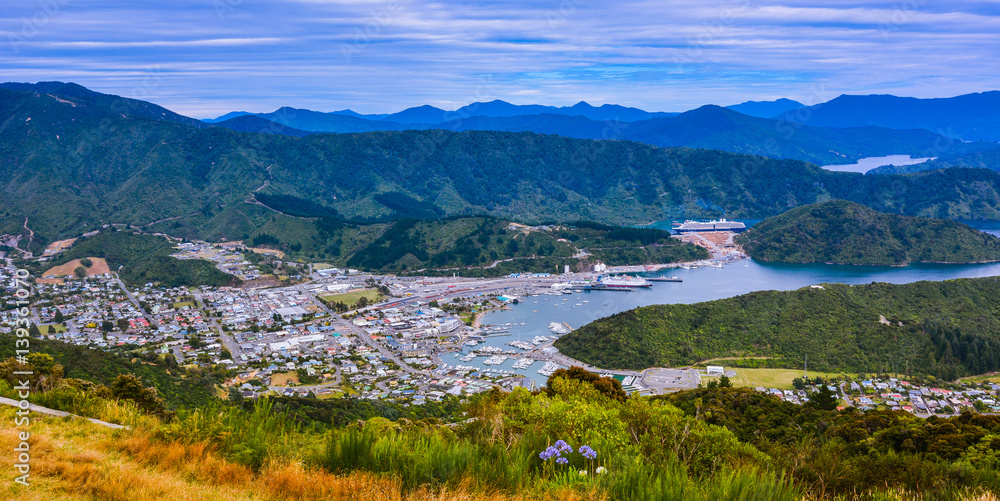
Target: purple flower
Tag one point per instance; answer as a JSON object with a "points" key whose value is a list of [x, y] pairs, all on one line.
{"points": [[562, 460], [588, 452], [549, 453], [563, 446]]}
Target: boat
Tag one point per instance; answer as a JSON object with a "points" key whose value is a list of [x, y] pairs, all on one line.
{"points": [[714, 225], [548, 369], [524, 363], [663, 278], [558, 328], [622, 282], [524, 345]]}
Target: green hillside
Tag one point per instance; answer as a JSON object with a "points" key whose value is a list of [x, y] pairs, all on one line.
{"points": [[842, 232], [70, 164], [948, 329], [482, 245], [176, 385], [144, 259]]}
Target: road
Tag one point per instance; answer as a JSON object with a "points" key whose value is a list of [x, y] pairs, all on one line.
{"points": [[227, 340], [131, 298], [366, 338]]}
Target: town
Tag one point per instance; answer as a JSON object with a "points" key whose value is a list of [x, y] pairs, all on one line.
{"points": [[340, 333]]}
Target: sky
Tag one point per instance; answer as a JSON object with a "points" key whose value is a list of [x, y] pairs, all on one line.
{"points": [[203, 58]]}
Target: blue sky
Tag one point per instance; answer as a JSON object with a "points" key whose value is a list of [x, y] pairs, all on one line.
{"points": [[204, 58]]}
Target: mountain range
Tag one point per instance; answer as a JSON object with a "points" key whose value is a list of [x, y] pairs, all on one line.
{"points": [[107, 159], [709, 126], [970, 117]]}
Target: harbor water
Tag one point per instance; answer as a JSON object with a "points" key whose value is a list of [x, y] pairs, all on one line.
{"points": [[699, 284]]}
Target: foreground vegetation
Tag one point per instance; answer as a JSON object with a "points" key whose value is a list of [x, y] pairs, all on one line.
{"points": [[581, 438], [842, 232], [945, 329]]}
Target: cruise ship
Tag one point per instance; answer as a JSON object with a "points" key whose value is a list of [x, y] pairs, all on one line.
{"points": [[700, 226], [623, 281]]}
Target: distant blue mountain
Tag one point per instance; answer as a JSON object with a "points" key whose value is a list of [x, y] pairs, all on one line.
{"points": [[430, 115], [352, 113], [605, 112], [255, 123], [227, 116], [318, 121], [766, 109], [426, 114], [970, 117]]}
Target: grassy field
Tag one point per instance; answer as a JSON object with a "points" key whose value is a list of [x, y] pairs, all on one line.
{"points": [[60, 328], [283, 378], [993, 377], [183, 304], [773, 378], [351, 298]]}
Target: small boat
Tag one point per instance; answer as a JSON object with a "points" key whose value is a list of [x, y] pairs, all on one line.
{"points": [[662, 278]]}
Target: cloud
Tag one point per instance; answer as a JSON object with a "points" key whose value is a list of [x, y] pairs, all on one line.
{"points": [[219, 55]]}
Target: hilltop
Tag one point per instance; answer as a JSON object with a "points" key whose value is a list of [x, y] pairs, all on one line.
{"points": [[946, 329], [842, 232]]}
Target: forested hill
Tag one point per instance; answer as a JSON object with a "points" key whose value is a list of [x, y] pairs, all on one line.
{"points": [[842, 232], [946, 329], [71, 164]]}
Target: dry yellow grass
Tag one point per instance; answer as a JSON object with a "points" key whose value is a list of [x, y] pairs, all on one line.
{"points": [[284, 378], [98, 266], [76, 460]]}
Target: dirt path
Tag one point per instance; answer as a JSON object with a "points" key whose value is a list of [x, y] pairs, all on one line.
{"points": [[31, 235], [169, 219], [52, 412]]}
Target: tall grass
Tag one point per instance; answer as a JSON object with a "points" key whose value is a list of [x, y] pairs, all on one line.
{"points": [[418, 458], [248, 438], [75, 401]]}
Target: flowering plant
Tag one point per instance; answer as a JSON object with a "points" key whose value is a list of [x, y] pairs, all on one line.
{"points": [[560, 452]]}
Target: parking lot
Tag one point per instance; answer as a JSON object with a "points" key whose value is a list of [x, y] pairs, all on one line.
{"points": [[666, 380]]}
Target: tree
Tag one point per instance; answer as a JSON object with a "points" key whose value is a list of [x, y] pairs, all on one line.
{"points": [[798, 384], [80, 272], [129, 387], [823, 399], [59, 318], [362, 302], [33, 331], [107, 326], [724, 382], [86, 262], [123, 324], [607, 386], [226, 354], [194, 342]]}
